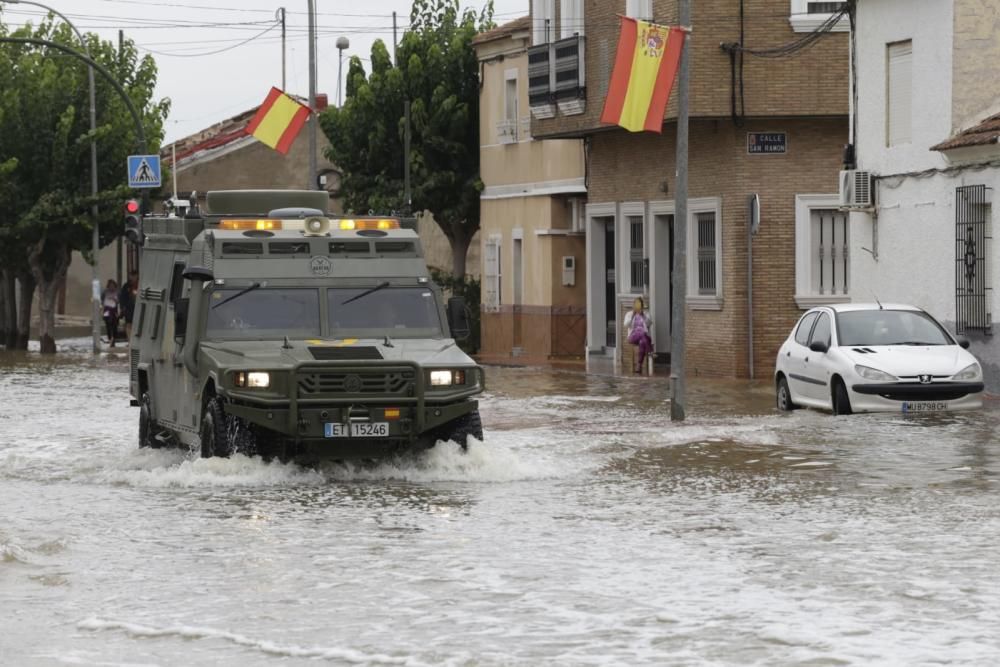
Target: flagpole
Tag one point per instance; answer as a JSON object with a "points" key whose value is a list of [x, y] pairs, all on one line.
{"points": [[312, 95], [678, 304]]}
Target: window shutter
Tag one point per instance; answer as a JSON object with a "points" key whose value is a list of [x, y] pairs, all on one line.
{"points": [[490, 298], [542, 20], [639, 9], [899, 114], [570, 18]]}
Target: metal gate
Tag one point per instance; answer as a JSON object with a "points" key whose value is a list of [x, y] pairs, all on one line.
{"points": [[973, 292]]}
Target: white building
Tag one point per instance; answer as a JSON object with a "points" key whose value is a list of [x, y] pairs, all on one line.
{"points": [[928, 94]]}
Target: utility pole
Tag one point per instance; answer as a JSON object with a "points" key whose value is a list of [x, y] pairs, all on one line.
{"points": [[406, 157], [678, 302], [118, 242], [394, 41], [311, 4], [280, 16]]}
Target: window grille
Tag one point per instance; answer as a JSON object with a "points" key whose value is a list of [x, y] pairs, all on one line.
{"points": [[830, 245], [706, 253], [973, 240], [825, 7], [491, 283], [637, 273]]}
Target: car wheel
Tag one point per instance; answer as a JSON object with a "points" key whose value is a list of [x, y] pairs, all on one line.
{"points": [[214, 431], [784, 396], [463, 427], [147, 425], [841, 401]]}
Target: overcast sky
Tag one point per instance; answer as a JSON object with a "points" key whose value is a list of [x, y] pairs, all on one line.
{"points": [[206, 71]]}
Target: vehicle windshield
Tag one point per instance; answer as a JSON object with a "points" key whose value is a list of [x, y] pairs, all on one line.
{"points": [[263, 313], [398, 312], [889, 327]]}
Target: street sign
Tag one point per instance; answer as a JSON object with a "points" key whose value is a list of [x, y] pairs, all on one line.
{"points": [[767, 143], [144, 171]]}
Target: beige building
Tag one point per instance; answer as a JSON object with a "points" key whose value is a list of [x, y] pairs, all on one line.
{"points": [[532, 241]]}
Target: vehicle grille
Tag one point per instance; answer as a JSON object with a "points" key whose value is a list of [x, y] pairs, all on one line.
{"points": [[134, 364], [341, 353], [394, 383]]}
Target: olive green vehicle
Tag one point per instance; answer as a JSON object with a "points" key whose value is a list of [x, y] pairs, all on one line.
{"points": [[264, 326]]}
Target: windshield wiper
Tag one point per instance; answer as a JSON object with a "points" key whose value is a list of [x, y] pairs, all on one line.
{"points": [[237, 295], [366, 293]]}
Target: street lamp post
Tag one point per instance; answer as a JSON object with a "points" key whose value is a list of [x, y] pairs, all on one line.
{"points": [[96, 238], [342, 43]]}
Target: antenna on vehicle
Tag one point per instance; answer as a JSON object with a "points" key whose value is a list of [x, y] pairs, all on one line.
{"points": [[877, 301]]}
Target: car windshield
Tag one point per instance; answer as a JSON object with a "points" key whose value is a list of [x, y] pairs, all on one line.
{"points": [[889, 327], [399, 312], [263, 313]]}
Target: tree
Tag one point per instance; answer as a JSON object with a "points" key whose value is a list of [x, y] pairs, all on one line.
{"points": [[44, 119], [438, 73]]}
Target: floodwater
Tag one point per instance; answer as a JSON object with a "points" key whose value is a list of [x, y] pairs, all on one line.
{"points": [[586, 530]]}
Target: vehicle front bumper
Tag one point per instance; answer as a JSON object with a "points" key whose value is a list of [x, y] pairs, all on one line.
{"points": [[916, 397]]}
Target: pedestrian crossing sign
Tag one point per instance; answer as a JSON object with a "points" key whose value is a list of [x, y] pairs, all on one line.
{"points": [[144, 171]]}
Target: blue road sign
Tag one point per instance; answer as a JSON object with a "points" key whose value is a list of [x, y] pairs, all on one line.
{"points": [[144, 171]]}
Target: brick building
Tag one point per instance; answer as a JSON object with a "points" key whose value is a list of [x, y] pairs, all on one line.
{"points": [[774, 127]]}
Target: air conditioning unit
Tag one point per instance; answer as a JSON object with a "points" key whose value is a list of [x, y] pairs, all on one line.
{"points": [[857, 189]]}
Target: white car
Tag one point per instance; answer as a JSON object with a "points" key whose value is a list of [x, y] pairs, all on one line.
{"points": [[863, 357]]}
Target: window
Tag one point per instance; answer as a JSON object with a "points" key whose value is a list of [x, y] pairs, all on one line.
{"points": [[140, 319], [822, 332], [808, 15], [266, 313], [973, 250], [491, 272], [400, 312], [177, 283], [639, 9], [570, 18], [636, 260], [543, 14], [899, 93], [829, 239], [805, 326], [706, 253], [822, 243], [510, 98]]}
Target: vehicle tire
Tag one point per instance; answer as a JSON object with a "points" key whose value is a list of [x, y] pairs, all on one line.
{"points": [[841, 401], [459, 430], [147, 425], [783, 396], [215, 431]]}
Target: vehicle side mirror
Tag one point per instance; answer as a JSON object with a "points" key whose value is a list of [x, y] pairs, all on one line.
{"points": [[963, 342], [458, 318], [180, 319], [819, 346]]}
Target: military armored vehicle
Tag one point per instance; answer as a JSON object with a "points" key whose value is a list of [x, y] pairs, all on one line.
{"points": [[263, 325]]}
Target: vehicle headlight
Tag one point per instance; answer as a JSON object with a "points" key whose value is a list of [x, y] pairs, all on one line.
{"points": [[970, 373], [252, 379], [874, 374], [447, 377]]}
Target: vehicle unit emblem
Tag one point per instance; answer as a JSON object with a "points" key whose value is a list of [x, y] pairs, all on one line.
{"points": [[352, 384], [320, 266], [925, 379]]}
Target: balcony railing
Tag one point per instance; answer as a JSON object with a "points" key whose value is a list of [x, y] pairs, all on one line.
{"points": [[556, 78]]}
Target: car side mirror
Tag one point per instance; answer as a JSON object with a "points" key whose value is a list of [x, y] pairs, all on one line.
{"points": [[180, 319], [458, 318], [819, 346], [963, 342]]}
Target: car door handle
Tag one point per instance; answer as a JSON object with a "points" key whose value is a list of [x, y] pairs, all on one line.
{"points": [[807, 360]]}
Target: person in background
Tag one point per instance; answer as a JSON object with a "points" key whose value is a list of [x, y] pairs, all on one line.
{"points": [[126, 301], [109, 300], [638, 322]]}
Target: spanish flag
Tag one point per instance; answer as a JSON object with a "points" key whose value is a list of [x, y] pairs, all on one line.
{"points": [[645, 66], [278, 121]]}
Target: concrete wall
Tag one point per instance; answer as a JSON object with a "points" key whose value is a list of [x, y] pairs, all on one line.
{"points": [[976, 85]]}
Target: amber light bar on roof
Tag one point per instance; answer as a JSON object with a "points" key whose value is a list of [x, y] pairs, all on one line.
{"points": [[348, 224], [250, 224]]}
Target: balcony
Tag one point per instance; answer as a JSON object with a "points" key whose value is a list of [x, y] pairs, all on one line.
{"points": [[556, 80]]}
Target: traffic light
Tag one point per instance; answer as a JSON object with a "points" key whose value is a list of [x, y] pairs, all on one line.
{"points": [[133, 222]]}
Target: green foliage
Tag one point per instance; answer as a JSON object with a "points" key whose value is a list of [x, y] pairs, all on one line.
{"points": [[438, 73], [45, 188], [468, 288]]}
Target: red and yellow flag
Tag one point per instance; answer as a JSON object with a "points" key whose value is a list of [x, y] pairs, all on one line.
{"points": [[278, 121], [645, 66]]}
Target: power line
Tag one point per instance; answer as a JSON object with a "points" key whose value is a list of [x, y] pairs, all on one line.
{"points": [[209, 53]]}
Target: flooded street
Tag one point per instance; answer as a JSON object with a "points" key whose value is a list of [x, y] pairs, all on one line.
{"points": [[587, 529]]}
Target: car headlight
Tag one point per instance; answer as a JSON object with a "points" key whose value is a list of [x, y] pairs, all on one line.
{"points": [[970, 373], [447, 377], [252, 379], [874, 374]]}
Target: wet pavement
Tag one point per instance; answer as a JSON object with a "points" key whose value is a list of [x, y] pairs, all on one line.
{"points": [[587, 529]]}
